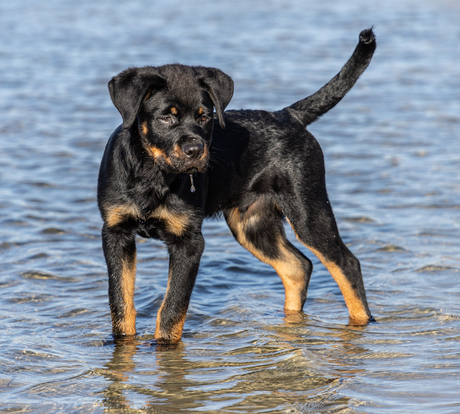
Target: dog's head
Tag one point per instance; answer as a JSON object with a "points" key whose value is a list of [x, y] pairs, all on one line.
{"points": [[173, 106]]}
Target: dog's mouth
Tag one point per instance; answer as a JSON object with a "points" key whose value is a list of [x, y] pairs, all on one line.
{"points": [[178, 161], [192, 167], [192, 170]]}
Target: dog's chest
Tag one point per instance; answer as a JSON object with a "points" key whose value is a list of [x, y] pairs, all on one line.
{"points": [[172, 215], [163, 222]]}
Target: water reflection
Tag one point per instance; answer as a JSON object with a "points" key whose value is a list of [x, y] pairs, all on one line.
{"points": [[214, 377], [118, 371], [165, 384], [339, 346]]}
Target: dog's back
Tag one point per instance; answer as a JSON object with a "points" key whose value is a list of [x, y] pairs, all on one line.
{"points": [[256, 146]]}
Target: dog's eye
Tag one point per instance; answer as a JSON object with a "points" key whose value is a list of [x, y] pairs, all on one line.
{"points": [[202, 119], [167, 120]]}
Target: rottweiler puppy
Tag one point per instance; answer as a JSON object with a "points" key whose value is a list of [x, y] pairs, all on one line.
{"points": [[171, 164]]}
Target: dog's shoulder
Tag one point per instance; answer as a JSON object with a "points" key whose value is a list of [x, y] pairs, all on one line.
{"points": [[121, 155]]}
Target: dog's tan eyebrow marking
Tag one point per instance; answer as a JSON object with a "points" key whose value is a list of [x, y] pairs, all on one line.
{"points": [[173, 110], [200, 111]]}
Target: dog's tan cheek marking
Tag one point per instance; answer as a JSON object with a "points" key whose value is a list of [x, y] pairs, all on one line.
{"points": [[177, 152], [117, 214], [157, 153], [127, 326], [288, 266], [205, 153], [175, 223], [145, 128]]}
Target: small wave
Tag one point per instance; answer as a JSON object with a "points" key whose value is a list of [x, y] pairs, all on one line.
{"points": [[391, 248], [435, 268], [38, 275], [359, 219], [52, 230]]}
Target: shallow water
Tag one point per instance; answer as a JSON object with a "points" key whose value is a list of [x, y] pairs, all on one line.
{"points": [[392, 152]]}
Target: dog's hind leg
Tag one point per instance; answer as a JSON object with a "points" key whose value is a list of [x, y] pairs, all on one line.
{"points": [[315, 227], [120, 253], [260, 230]]}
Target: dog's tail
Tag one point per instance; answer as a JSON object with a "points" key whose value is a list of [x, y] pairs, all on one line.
{"points": [[308, 110]]}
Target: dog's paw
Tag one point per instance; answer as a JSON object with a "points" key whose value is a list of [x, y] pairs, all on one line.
{"points": [[367, 36]]}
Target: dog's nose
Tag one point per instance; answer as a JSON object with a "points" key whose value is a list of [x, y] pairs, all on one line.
{"points": [[193, 150]]}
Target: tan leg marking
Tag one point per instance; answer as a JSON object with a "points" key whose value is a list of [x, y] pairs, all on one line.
{"points": [[292, 275], [117, 214], [288, 267], [175, 223], [355, 306], [127, 326], [175, 334]]}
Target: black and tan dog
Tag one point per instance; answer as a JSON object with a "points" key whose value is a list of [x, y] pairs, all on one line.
{"points": [[170, 165]]}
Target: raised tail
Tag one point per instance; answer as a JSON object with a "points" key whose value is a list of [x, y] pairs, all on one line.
{"points": [[308, 110]]}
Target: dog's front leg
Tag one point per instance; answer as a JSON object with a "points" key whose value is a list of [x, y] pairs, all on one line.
{"points": [[184, 260], [120, 254]]}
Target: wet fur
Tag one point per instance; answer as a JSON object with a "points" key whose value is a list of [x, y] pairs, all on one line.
{"points": [[255, 167]]}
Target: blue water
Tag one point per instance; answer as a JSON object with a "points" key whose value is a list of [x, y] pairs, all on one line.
{"points": [[392, 150]]}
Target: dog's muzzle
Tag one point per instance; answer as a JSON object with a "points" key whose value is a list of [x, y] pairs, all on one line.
{"points": [[194, 156], [189, 157]]}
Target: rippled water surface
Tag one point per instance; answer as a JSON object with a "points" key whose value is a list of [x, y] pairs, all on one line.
{"points": [[392, 150]]}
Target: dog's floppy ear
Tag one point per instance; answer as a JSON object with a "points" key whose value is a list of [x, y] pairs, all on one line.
{"points": [[129, 89], [220, 88]]}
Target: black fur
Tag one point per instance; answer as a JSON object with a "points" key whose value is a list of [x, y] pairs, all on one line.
{"points": [[254, 166]]}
